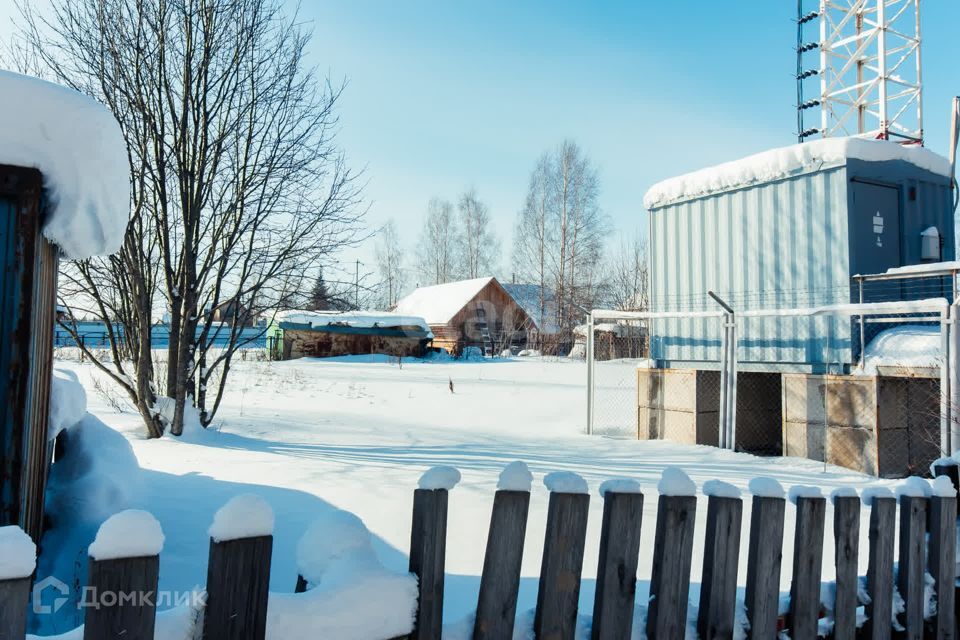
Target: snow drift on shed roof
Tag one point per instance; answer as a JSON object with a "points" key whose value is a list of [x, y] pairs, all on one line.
{"points": [[785, 161], [364, 319], [77, 145], [439, 303]]}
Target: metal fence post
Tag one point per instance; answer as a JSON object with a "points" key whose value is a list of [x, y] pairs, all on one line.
{"points": [[724, 378], [590, 374], [945, 381]]}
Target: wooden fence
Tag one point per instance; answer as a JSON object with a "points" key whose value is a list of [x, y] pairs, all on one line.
{"points": [[239, 570]]}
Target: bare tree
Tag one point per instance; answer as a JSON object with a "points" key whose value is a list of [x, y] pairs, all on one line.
{"points": [[238, 187], [479, 247], [627, 277], [389, 254], [560, 232], [437, 249]]}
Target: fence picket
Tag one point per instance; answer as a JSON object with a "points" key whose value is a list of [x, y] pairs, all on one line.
{"points": [[617, 567], [14, 596], [941, 559], [119, 618], [238, 581], [718, 590], [846, 535], [563, 547], [763, 566], [879, 610], [807, 565], [913, 529], [672, 556], [428, 550], [500, 583]]}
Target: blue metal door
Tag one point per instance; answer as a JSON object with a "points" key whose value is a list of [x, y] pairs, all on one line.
{"points": [[875, 236]]}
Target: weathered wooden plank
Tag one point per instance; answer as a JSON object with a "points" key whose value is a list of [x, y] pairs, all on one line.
{"points": [[500, 583], [879, 610], [238, 580], [718, 589], [941, 562], [14, 595], [913, 529], [126, 593], [763, 566], [563, 546], [428, 550], [807, 564], [846, 536], [672, 556], [617, 567]]}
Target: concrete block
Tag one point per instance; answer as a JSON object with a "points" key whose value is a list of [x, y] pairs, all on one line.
{"points": [[804, 399], [648, 423], [851, 401], [679, 390], [852, 448], [802, 440], [679, 426]]}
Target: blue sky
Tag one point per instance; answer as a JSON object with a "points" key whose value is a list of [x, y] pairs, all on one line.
{"points": [[444, 95]]}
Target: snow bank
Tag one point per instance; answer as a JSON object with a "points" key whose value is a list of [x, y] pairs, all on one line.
{"points": [[335, 537], [78, 146], [565, 482], [515, 477], [619, 485], [803, 491], [903, 346], [674, 482], [780, 163], [764, 487], [359, 319], [720, 489], [872, 493], [441, 477], [943, 487], [244, 516], [129, 534], [68, 402], [18, 554]]}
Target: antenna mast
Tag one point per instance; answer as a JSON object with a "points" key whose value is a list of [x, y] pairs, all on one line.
{"points": [[858, 69]]}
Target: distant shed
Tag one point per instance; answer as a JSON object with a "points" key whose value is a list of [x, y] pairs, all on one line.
{"points": [[323, 334], [470, 313]]}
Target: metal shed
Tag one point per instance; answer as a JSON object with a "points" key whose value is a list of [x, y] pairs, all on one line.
{"points": [[789, 228]]}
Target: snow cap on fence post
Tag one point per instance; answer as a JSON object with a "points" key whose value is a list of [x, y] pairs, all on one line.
{"points": [[764, 487], [515, 477], [129, 534], [674, 482], [442, 477], [872, 493], [619, 485], [243, 516], [914, 487], [803, 491], [18, 554], [843, 492], [720, 489], [565, 482], [943, 487]]}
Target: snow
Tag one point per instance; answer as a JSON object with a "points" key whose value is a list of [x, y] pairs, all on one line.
{"points": [[17, 553], [359, 319], [244, 516], [68, 402], [903, 346], [776, 164], [333, 537], [79, 148], [439, 477], [674, 482], [942, 462], [803, 491], [764, 487], [843, 492], [565, 482], [873, 493], [515, 476], [133, 533], [914, 487], [619, 485], [926, 267], [720, 489], [943, 487], [439, 303]]}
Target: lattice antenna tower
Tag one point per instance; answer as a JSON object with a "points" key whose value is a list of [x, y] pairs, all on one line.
{"points": [[858, 69]]}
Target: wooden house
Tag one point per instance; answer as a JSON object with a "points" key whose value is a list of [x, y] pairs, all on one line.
{"points": [[470, 313], [324, 334]]}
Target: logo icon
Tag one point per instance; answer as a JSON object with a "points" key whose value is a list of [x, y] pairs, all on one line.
{"points": [[58, 602]]}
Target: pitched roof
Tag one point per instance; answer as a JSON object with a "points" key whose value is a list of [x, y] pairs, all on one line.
{"points": [[439, 303], [528, 297]]}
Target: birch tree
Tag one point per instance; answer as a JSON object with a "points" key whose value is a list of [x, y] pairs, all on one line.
{"points": [[439, 244], [389, 255], [479, 247]]}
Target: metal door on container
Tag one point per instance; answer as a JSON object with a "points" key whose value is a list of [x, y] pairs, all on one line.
{"points": [[875, 236], [10, 444]]}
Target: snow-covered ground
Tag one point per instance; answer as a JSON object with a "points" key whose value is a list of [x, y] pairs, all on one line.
{"points": [[311, 436]]}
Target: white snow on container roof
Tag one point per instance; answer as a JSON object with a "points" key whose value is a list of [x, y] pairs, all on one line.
{"points": [[439, 303], [77, 145], [360, 319], [780, 163], [907, 346]]}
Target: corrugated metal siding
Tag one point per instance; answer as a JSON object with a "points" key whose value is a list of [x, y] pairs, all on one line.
{"points": [[775, 245]]}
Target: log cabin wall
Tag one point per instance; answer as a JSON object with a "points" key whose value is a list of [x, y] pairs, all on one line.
{"points": [[506, 321]]}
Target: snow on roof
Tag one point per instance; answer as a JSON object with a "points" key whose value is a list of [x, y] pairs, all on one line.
{"points": [[907, 346], [361, 319], [785, 161], [77, 145], [527, 296], [439, 303]]}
